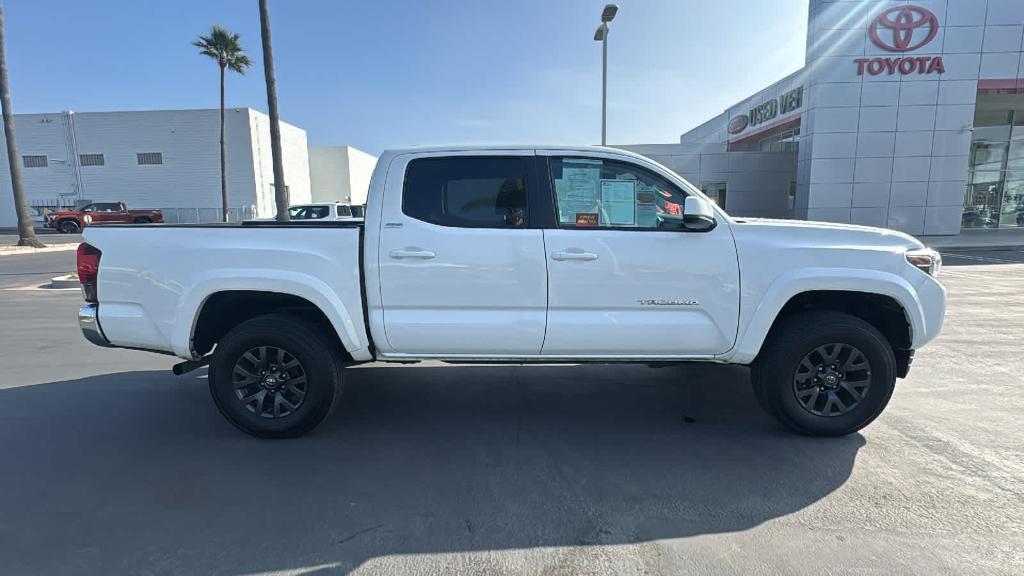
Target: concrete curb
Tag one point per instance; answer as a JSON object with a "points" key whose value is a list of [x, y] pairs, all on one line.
{"points": [[18, 250], [63, 282]]}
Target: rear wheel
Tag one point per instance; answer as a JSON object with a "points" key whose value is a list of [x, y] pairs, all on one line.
{"points": [[142, 220], [69, 227], [275, 376], [825, 373]]}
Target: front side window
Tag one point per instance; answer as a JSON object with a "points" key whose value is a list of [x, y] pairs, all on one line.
{"points": [[467, 192], [593, 193], [344, 211]]}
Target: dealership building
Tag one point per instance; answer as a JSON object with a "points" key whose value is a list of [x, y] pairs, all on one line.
{"points": [[907, 115]]}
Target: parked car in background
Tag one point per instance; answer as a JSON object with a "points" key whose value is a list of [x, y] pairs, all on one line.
{"points": [[72, 221], [520, 255], [321, 211]]}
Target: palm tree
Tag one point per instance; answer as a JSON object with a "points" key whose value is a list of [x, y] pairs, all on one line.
{"points": [[26, 235], [280, 189], [223, 47]]}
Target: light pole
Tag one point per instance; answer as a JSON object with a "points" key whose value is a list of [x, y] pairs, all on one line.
{"points": [[607, 15]]}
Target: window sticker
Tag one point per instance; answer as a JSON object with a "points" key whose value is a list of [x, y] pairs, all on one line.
{"points": [[589, 219], [577, 190], [646, 206], [618, 202]]}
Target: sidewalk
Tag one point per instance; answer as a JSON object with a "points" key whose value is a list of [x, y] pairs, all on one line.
{"points": [[1005, 239], [11, 250]]}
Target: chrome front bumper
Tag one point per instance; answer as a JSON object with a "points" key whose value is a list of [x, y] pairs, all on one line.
{"points": [[89, 322]]}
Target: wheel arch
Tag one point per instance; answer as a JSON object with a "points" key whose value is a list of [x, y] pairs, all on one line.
{"points": [[222, 311], [886, 301], [221, 307]]}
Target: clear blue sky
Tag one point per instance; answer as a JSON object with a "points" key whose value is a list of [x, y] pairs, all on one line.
{"points": [[383, 73]]}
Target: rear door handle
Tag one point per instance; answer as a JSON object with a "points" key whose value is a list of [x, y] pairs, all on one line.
{"points": [[418, 254], [583, 256]]}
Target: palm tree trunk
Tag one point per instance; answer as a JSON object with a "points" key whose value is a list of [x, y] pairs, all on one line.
{"points": [[280, 189], [223, 159], [26, 235]]}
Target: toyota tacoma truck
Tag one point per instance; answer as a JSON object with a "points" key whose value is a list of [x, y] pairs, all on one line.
{"points": [[72, 221], [519, 255]]}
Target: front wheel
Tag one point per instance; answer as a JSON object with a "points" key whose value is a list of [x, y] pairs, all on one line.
{"points": [[825, 373], [69, 227], [275, 376]]}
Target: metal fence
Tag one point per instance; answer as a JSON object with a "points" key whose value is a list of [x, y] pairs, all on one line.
{"points": [[206, 215], [181, 215]]}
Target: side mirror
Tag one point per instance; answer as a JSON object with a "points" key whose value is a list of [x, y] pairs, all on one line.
{"points": [[698, 215]]}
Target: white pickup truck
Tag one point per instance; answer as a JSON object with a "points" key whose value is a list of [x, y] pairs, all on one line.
{"points": [[519, 255]]}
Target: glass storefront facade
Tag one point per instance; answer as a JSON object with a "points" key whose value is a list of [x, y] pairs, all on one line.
{"points": [[995, 188]]}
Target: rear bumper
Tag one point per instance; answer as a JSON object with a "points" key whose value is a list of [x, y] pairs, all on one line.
{"points": [[89, 323]]}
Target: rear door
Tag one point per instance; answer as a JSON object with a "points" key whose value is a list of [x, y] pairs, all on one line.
{"points": [[461, 266], [624, 278]]}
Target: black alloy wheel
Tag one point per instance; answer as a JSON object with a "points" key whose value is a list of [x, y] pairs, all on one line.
{"points": [[832, 379], [269, 381]]}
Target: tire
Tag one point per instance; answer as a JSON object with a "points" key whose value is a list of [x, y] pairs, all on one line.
{"points": [[809, 376], [309, 354], [68, 227], [142, 220]]}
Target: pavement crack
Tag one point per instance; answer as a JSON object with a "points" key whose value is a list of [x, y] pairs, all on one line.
{"points": [[358, 533]]}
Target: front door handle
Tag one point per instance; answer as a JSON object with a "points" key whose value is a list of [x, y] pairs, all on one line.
{"points": [[411, 253], [583, 256]]}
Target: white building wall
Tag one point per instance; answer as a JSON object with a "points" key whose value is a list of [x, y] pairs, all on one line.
{"points": [[340, 174], [360, 168], [189, 177], [328, 174], [296, 163]]}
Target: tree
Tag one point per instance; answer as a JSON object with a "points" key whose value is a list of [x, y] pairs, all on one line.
{"points": [[223, 47], [26, 235], [280, 189]]}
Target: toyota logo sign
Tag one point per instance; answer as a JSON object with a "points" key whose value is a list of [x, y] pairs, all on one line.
{"points": [[738, 124], [902, 29]]}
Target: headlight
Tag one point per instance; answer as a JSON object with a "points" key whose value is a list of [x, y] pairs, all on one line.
{"points": [[926, 260]]}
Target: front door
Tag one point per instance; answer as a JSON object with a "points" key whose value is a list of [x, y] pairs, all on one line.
{"points": [[624, 277], [461, 271], [107, 213]]}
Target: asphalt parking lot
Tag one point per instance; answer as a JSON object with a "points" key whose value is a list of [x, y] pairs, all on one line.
{"points": [[114, 465]]}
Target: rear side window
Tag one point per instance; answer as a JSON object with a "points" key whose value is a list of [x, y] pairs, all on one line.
{"points": [[344, 211], [467, 192]]}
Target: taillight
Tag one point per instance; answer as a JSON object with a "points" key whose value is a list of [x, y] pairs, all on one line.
{"points": [[88, 270]]}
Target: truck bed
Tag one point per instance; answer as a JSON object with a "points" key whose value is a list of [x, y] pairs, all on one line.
{"points": [[155, 279]]}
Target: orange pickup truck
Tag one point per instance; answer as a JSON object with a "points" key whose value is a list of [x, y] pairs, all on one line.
{"points": [[72, 221]]}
